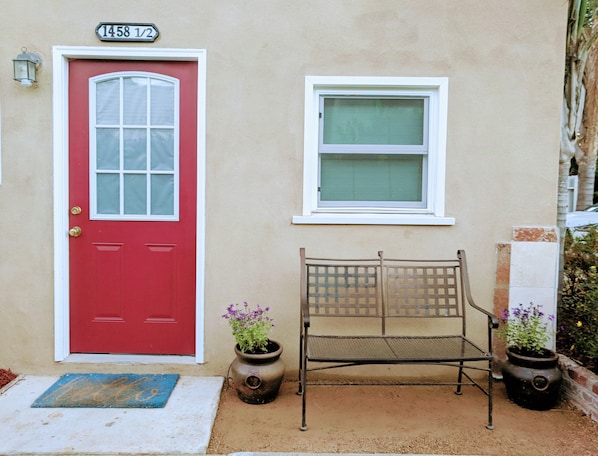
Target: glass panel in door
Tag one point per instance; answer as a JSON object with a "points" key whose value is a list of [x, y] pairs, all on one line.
{"points": [[134, 160]]}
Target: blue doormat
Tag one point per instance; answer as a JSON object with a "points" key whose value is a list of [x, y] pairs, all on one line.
{"points": [[109, 391]]}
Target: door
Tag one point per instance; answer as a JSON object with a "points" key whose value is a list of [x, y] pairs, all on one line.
{"points": [[132, 201]]}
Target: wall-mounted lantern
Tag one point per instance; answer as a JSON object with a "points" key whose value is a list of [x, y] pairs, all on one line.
{"points": [[25, 66]]}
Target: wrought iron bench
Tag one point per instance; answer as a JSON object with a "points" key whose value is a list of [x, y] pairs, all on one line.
{"points": [[390, 291]]}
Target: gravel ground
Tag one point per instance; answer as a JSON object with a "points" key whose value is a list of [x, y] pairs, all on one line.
{"points": [[404, 419]]}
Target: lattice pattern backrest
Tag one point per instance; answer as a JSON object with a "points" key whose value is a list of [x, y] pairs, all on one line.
{"points": [[343, 290], [423, 291]]}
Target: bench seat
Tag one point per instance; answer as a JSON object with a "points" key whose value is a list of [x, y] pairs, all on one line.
{"points": [[393, 349]]}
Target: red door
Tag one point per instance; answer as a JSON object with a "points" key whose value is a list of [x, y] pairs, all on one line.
{"points": [[132, 196]]}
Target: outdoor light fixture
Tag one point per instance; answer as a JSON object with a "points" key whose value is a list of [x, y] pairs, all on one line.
{"points": [[25, 66]]}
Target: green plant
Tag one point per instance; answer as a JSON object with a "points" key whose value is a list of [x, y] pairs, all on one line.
{"points": [[250, 326], [577, 335], [526, 329]]}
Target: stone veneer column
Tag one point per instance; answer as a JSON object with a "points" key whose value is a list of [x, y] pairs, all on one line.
{"points": [[526, 271], [501, 299]]}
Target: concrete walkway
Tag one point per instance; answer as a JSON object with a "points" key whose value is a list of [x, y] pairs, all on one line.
{"points": [[183, 427]]}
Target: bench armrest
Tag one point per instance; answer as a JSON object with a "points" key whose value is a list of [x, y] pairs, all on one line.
{"points": [[492, 320]]}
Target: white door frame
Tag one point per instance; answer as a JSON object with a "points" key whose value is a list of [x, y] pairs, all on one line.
{"points": [[61, 56]]}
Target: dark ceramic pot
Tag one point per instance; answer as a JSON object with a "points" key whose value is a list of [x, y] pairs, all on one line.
{"points": [[532, 382], [257, 376]]}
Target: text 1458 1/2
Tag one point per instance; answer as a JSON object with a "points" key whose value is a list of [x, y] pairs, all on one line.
{"points": [[126, 32]]}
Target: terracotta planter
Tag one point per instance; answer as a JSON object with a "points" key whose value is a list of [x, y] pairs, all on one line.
{"points": [[257, 376], [532, 382]]}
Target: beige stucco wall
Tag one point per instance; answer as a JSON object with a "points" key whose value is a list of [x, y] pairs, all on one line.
{"points": [[504, 61]]}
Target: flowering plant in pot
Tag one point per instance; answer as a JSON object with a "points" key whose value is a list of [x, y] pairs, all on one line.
{"points": [[525, 330], [530, 373], [250, 327], [257, 371]]}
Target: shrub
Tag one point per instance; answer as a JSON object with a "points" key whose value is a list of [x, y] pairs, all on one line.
{"points": [[577, 316]]}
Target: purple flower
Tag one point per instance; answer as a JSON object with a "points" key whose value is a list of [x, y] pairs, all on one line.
{"points": [[526, 328], [250, 327]]}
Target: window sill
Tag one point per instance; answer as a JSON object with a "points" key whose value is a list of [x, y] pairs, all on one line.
{"points": [[372, 219]]}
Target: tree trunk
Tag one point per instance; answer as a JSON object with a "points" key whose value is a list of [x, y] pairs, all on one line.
{"points": [[563, 201], [587, 170], [589, 141], [581, 37]]}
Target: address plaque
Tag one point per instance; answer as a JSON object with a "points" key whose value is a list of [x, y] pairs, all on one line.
{"points": [[127, 31]]}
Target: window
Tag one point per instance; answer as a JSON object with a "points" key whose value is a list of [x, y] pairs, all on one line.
{"points": [[134, 147], [374, 150]]}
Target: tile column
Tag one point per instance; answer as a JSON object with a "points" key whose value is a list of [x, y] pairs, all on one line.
{"points": [[527, 272]]}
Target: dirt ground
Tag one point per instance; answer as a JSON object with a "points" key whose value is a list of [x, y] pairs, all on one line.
{"points": [[399, 419]]}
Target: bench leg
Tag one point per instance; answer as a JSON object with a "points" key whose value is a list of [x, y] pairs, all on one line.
{"points": [[303, 376], [303, 404], [303, 389], [490, 386], [300, 387], [459, 379]]}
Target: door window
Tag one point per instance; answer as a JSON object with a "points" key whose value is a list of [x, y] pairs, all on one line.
{"points": [[134, 153]]}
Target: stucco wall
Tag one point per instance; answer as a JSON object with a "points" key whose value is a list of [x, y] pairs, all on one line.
{"points": [[504, 61]]}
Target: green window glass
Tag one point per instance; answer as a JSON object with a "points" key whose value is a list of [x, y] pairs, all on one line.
{"points": [[371, 177], [398, 121], [373, 151]]}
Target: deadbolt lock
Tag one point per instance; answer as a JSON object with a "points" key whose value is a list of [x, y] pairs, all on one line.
{"points": [[75, 210]]}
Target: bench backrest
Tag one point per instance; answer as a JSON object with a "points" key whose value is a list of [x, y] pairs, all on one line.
{"points": [[384, 288]]}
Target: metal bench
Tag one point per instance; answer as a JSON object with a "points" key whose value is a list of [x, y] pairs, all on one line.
{"points": [[390, 290]]}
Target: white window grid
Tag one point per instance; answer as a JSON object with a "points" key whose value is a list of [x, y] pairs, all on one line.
{"points": [[94, 215]]}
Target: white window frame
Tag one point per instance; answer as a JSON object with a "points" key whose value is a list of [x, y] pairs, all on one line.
{"points": [[436, 89]]}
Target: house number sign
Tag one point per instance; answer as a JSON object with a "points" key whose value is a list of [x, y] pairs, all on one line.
{"points": [[126, 31]]}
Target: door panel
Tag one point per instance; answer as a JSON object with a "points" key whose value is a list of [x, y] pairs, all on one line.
{"points": [[132, 171]]}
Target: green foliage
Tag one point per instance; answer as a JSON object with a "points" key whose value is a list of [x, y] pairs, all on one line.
{"points": [[250, 327], [577, 316], [526, 329], [590, 9], [584, 13]]}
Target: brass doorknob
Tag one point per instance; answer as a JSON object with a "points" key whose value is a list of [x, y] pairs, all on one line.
{"points": [[75, 231]]}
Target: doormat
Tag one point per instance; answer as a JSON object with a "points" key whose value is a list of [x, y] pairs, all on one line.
{"points": [[109, 391]]}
